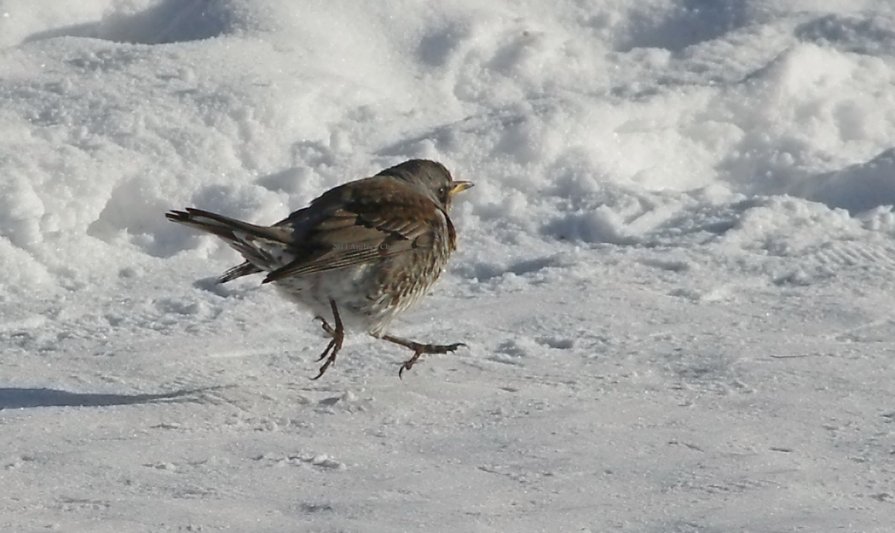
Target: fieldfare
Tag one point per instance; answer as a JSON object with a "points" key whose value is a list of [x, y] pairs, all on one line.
{"points": [[363, 251]]}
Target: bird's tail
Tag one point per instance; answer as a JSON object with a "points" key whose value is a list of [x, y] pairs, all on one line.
{"points": [[219, 225], [250, 240]]}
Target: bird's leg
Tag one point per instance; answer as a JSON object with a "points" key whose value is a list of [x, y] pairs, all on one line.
{"points": [[419, 349], [338, 335]]}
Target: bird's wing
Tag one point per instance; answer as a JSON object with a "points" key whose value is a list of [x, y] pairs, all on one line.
{"points": [[360, 222]]}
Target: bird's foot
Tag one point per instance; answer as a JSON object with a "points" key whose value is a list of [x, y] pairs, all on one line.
{"points": [[325, 325], [330, 353], [419, 349], [335, 344]]}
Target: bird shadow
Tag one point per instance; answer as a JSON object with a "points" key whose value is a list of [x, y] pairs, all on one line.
{"points": [[29, 398]]}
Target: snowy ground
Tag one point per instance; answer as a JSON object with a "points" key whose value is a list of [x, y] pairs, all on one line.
{"points": [[676, 271]]}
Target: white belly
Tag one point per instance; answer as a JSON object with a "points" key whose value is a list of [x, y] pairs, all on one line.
{"points": [[354, 289]]}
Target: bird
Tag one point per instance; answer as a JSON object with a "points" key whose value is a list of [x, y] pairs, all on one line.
{"points": [[362, 252]]}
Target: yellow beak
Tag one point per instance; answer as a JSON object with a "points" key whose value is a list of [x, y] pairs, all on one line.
{"points": [[460, 186]]}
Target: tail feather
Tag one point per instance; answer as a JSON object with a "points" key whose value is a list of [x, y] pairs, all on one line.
{"points": [[237, 234], [238, 271], [223, 226]]}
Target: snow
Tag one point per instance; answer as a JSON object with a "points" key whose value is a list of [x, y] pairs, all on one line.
{"points": [[675, 273]]}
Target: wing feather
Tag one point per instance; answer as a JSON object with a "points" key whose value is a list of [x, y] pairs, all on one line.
{"points": [[358, 223]]}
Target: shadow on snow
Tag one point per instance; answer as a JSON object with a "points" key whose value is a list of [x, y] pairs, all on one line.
{"points": [[27, 398]]}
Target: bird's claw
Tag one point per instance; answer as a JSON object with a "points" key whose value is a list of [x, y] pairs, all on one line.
{"points": [[325, 325], [338, 335], [420, 349]]}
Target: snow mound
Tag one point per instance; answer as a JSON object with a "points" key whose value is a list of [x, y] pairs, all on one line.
{"points": [[868, 33], [857, 188], [674, 275]]}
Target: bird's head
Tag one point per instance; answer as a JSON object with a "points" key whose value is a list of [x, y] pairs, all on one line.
{"points": [[430, 178]]}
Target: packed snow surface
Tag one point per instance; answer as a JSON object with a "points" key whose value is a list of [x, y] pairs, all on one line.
{"points": [[675, 278]]}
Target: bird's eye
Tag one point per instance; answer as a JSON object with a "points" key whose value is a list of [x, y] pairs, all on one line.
{"points": [[442, 191]]}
